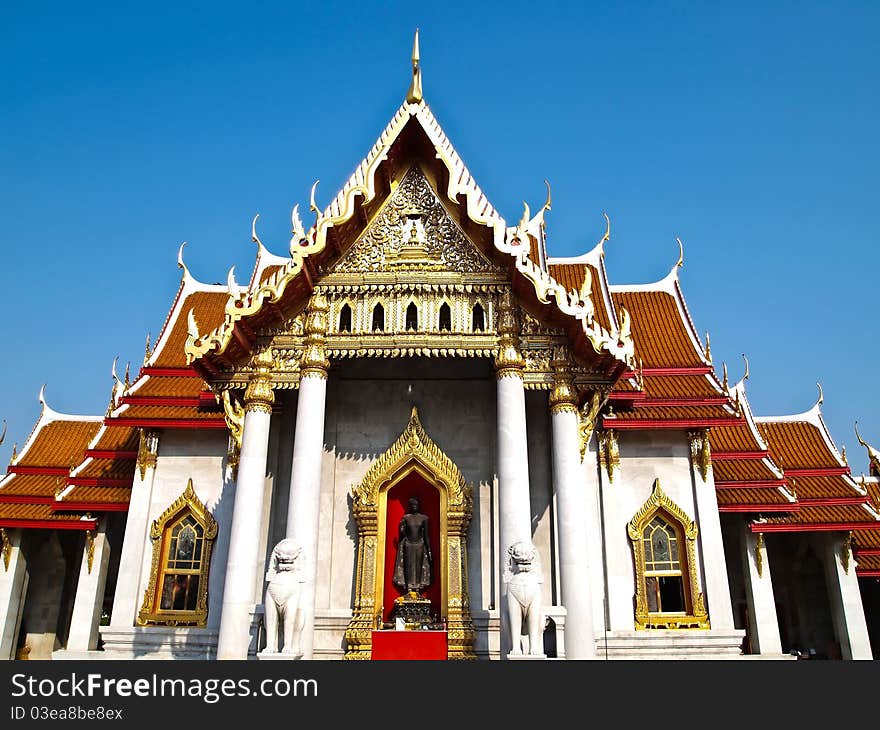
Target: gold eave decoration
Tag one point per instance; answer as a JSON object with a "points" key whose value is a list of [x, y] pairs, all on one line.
{"points": [[150, 613], [90, 549], [696, 617], [5, 548], [414, 451], [511, 240]]}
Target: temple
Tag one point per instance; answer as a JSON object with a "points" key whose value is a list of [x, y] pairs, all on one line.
{"points": [[573, 474]]}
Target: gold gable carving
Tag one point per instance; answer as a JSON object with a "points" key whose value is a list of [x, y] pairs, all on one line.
{"points": [[413, 231]]}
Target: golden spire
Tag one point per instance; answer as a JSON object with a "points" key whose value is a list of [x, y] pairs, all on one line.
{"points": [[414, 95]]}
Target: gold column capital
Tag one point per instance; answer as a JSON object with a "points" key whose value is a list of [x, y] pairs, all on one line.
{"points": [[509, 361], [259, 395], [314, 359], [563, 397]]}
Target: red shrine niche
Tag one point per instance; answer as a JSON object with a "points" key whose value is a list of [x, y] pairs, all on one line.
{"points": [[413, 485]]}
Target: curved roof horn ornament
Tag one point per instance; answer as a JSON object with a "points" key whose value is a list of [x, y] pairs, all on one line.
{"points": [[821, 395], [296, 228], [3, 435], [680, 261], [746, 373]]}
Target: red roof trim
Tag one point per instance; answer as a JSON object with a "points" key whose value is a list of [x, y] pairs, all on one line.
{"points": [[155, 372], [162, 400], [47, 471], [677, 424], [110, 454], [868, 572], [815, 527], [792, 507], [867, 551], [65, 506], [25, 499], [737, 455], [99, 482], [828, 471], [50, 524], [755, 484], [834, 501], [191, 423], [680, 402], [695, 370]]}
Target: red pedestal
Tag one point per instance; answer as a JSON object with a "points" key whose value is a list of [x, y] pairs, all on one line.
{"points": [[409, 645]]}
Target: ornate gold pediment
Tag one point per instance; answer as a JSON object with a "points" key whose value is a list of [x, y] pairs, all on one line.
{"points": [[413, 232], [412, 444]]}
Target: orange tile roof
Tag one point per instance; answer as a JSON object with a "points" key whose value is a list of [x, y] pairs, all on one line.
{"points": [[671, 413], [660, 335], [107, 469], [742, 470], [175, 412], [680, 386], [737, 438], [821, 486], [797, 445], [35, 512], [59, 443], [111, 495], [117, 438], [32, 485], [750, 496], [571, 276], [826, 515], [208, 308], [174, 386]]}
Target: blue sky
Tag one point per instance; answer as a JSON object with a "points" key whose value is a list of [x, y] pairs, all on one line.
{"points": [[747, 129]]}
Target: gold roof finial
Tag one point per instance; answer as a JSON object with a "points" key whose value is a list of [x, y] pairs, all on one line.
{"points": [[680, 261], [746, 373], [821, 395], [724, 370], [147, 352], [14, 453], [414, 95], [707, 353]]}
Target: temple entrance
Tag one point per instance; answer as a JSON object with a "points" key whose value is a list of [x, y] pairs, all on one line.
{"points": [[413, 485]]}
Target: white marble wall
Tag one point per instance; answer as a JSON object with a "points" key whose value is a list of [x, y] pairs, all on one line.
{"points": [[644, 457], [13, 588]]}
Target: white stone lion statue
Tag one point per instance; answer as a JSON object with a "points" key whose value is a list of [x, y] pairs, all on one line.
{"points": [[283, 598], [524, 610]]}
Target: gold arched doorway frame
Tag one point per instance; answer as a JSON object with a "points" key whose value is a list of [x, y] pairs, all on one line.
{"points": [[413, 452]]}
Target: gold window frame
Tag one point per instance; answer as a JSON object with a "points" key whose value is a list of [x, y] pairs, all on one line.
{"points": [[151, 614], [413, 452], [695, 616]]}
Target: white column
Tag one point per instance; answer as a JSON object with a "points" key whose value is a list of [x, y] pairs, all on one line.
{"points": [[716, 584], [244, 561], [513, 463], [514, 506], [763, 621], [90, 592], [847, 611], [572, 511], [13, 589], [304, 506], [127, 595]]}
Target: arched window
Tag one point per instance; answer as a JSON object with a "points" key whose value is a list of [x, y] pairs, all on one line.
{"points": [[663, 574], [412, 317], [445, 323], [667, 590], [345, 318], [478, 319], [183, 538], [378, 318]]}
